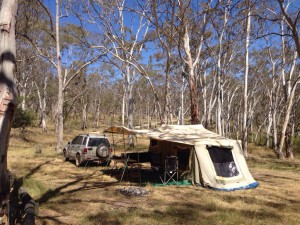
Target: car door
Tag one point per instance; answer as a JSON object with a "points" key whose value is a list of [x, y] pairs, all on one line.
{"points": [[73, 147], [78, 147]]}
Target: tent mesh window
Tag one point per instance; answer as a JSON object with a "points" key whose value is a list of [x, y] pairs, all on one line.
{"points": [[223, 161]]}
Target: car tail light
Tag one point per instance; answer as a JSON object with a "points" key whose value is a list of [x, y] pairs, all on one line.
{"points": [[110, 149], [85, 150]]}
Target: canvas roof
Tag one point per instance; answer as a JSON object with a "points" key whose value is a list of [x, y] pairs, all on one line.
{"points": [[187, 134]]}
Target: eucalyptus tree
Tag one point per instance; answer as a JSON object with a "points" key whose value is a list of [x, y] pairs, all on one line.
{"points": [[230, 96], [41, 78], [289, 26], [267, 64], [245, 112], [54, 42], [98, 83], [122, 29], [192, 27], [8, 92], [24, 73], [280, 22], [163, 18], [220, 25], [180, 102]]}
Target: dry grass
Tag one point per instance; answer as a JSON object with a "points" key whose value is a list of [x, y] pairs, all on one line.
{"points": [[70, 195]]}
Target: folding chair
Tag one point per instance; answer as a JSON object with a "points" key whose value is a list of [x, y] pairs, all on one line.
{"points": [[171, 170]]}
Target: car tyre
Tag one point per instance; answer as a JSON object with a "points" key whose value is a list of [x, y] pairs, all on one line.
{"points": [[66, 158], [78, 160], [102, 151]]}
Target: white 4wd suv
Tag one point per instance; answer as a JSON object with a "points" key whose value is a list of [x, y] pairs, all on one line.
{"points": [[88, 147]]}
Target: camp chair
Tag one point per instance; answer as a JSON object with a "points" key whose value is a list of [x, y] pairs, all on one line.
{"points": [[171, 170]]}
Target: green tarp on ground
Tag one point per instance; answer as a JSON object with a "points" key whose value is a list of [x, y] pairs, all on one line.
{"points": [[178, 183]]}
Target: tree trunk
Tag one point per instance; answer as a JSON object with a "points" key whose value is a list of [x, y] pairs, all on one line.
{"points": [[8, 98], [285, 125], [268, 130], [42, 103], [129, 94], [123, 106], [193, 98], [84, 115], [245, 113], [97, 114], [23, 98], [60, 97], [181, 118]]}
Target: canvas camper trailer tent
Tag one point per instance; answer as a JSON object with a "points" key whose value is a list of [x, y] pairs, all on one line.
{"points": [[213, 161]]}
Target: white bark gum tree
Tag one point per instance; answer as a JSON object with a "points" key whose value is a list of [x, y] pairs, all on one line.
{"points": [[8, 94], [84, 105], [212, 102], [220, 73], [182, 86], [192, 77], [22, 84], [128, 76], [190, 59], [230, 98], [60, 97], [208, 101], [64, 78], [23, 88], [273, 103], [167, 44], [96, 114], [290, 86], [42, 102], [127, 51], [245, 111]]}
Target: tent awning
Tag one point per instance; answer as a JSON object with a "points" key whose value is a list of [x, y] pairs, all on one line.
{"points": [[119, 130], [186, 134]]}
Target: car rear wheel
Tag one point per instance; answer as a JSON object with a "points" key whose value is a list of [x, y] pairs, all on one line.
{"points": [[78, 160], [66, 158]]}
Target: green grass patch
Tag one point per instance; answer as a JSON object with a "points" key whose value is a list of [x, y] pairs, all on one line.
{"points": [[34, 187]]}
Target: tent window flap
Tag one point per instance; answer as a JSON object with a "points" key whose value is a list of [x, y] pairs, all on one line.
{"points": [[223, 161]]}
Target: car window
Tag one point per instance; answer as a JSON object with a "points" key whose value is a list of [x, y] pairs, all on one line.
{"points": [[105, 141], [75, 140], [93, 142], [79, 142], [84, 140]]}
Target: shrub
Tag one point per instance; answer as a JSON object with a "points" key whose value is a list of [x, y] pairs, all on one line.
{"points": [[23, 118]]}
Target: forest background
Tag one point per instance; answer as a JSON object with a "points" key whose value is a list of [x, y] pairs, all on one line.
{"points": [[231, 65]]}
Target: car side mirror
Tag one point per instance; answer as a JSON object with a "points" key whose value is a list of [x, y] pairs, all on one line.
{"points": [[69, 143]]}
